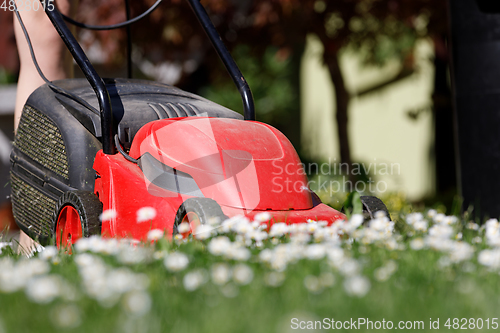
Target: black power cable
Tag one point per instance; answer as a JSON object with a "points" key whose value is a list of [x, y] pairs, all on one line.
{"points": [[124, 154], [91, 27], [39, 70], [112, 26]]}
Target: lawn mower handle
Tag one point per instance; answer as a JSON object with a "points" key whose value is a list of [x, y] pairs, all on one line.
{"points": [[94, 79], [99, 86], [227, 59]]}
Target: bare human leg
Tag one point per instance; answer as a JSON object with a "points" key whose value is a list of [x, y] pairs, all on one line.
{"points": [[53, 58]]}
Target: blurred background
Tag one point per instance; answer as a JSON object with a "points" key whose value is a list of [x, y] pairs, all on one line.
{"points": [[361, 86]]}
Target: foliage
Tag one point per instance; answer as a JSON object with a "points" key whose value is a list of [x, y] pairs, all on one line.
{"points": [[6, 77], [272, 90], [352, 204], [385, 29]]}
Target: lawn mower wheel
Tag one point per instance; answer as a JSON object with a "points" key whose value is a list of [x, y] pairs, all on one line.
{"points": [[371, 205], [197, 211], [76, 216]]}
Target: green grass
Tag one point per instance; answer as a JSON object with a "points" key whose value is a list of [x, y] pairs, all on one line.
{"points": [[420, 289]]}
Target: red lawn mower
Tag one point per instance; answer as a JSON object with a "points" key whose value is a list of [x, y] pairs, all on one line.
{"points": [[145, 144]]}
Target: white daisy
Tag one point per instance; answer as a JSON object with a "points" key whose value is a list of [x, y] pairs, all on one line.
{"points": [[146, 214]]}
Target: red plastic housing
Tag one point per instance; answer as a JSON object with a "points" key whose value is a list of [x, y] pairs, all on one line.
{"points": [[246, 166]]}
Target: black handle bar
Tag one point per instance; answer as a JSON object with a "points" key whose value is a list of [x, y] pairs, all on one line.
{"points": [[100, 87], [225, 56]]}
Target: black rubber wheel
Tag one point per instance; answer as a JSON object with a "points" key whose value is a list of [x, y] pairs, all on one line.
{"points": [[202, 209], [371, 205], [76, 215]]}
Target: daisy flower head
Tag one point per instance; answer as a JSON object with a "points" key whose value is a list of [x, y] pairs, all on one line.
{"points": [[193, 280], [312, 284], [489, 258], [146, 214], [357, 286], [204, 231], [326, 279], [421, 225], [413, 218], [274, 279], [184, 227], [443, 231], [278, 229], [44, 289], [49, 252], [137, 302], [219, 246], [242, 274], [176, 261], [417, 244], [66, 316], [472, 226], [155, 234], [262, 217], [108, 215], [221, 273], [431, 213]]}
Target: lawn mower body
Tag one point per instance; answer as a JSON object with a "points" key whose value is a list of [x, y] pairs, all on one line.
{"points": [[247, 167], [217, 158], [175, 148], [58, 139]]}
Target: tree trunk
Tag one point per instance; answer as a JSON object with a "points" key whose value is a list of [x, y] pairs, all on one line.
{"points": [[342, 103], [444, 137], [290, 125]]}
